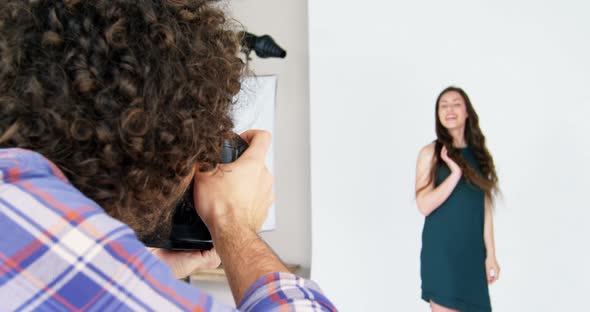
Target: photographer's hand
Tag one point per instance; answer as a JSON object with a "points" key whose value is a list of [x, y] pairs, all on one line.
{"points": [[185, 263], [233, 201]]}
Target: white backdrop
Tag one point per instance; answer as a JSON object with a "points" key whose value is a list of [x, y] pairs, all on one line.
{"points": [[376, 68]]}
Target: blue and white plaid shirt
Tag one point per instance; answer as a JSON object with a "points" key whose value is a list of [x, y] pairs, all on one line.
{"points": [[59, 251]]}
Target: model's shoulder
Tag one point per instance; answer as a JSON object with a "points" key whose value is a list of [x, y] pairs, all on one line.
{"points": [[427, 151]]}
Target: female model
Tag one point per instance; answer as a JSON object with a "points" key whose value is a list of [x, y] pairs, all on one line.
{"points": [[455, 180]]}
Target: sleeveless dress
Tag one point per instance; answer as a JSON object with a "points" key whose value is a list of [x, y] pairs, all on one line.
{"points": [[453, 251]]}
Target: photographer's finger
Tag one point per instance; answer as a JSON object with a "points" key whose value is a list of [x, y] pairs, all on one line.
{"points": [[248, 135], [259, 142]]}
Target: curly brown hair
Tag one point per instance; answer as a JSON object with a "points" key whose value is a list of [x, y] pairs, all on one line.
{"points": [[124, 96]]}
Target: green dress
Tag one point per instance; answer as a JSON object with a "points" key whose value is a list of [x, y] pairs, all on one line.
{"points": [[453, 251]]}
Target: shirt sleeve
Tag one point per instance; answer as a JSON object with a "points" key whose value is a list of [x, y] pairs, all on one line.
{"points": [[60, 251], [284, 292]]}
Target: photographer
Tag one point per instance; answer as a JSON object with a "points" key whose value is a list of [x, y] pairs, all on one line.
{"points": [[108, 111]]}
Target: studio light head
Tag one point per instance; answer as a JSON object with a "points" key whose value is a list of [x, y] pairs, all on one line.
{"points": [[264, 46]]}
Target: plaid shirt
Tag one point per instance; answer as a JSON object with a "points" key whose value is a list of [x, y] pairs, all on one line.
{"points": [[59, 251]]}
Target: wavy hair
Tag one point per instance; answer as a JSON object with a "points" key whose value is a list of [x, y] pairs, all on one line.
{"points": [[487, 180], [126, 97]]}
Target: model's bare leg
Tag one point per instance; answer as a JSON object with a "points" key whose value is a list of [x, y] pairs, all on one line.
{"points": [[438, 308]]}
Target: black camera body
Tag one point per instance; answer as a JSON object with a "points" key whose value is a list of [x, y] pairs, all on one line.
{"points": [[187, 231]]}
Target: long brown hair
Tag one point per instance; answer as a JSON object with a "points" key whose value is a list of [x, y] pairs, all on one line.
{"points": [[124, 96], [487, 180]]}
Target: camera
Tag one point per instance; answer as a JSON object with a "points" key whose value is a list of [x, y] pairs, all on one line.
{"points": [[187, 231]]}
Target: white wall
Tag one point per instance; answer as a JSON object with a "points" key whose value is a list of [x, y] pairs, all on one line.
{"points": [[286, 22], [376, 68]]}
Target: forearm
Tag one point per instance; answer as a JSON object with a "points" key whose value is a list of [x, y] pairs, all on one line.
{"points": [[488, 231], [245, 258], [429, 201]]}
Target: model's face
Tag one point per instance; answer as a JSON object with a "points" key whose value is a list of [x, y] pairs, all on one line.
{"points": [[452, 111]]}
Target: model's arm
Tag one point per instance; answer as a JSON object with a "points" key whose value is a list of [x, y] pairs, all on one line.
{"points": [[430, 198], [492, 267]]}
